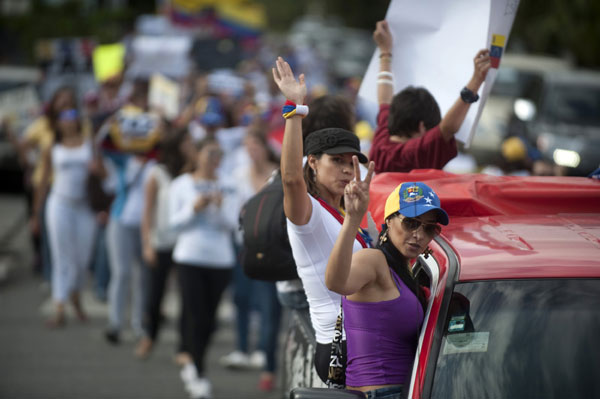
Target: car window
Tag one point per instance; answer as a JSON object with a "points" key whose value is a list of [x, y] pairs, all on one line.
{"points": [[513, 83], [578, 105], [521, 339]]}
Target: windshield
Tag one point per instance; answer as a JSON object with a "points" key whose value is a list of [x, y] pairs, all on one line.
{"points": [[521, 339], [511, 82], [577, 105]]}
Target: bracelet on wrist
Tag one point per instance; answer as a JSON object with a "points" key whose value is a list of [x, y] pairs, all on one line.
{"points": [[385, 74], [291, 108], [385, 82], [385, 54]]}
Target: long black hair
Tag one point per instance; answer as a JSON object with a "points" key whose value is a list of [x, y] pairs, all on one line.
{"points": [[399, 264], [170, 152]]}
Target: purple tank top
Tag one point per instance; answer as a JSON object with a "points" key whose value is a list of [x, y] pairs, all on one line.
{"points": [[382, 338]]}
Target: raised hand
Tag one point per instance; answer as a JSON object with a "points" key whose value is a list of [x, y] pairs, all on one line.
{"points": [[356, 193], [383, 36], [294, 90], [481, 65]]}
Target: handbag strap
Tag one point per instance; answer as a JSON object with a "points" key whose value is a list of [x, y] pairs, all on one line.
{"points": [[362, 236], [336, 376]]}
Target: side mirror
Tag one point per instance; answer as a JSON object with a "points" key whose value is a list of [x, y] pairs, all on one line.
{"points": [[524, 109]]}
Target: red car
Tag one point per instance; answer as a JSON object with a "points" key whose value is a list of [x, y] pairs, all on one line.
{"points": [[514, 310]]}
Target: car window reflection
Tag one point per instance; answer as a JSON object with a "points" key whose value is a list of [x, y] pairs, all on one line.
{"points": [[521, 339]]}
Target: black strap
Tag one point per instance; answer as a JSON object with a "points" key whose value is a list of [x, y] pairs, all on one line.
{"points": [[336, 377]]}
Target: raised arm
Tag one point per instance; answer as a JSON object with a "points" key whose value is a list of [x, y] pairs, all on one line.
{"points": [[385, 80], [455, 116], [347, 273], [296, 204]]}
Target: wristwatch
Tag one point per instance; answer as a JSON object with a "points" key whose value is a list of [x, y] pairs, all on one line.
{"points": [[468, 96]]}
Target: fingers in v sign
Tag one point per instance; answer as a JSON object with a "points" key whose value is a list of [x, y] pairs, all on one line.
{"points": [[356, 194]]}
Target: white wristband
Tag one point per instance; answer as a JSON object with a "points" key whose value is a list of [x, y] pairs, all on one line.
{"points": [[386, 74], [301, 109], [385, 82]]}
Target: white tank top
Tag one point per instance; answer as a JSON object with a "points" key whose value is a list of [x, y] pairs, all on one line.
{"points": [[70, 166]]}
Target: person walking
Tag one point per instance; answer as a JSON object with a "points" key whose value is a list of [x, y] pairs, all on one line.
{"points": [[70, 222], [204, 211]]}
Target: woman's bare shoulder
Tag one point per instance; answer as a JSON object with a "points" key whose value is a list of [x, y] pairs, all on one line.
{"points": [[369, 256]]}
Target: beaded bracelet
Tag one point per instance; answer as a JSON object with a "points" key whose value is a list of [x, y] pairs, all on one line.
{"points": [[290, 109]]}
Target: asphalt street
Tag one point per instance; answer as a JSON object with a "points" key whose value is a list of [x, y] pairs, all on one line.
{"points": [[76, 361]]}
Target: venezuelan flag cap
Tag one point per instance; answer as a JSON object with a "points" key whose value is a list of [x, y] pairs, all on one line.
{"points": [[413, 199]]}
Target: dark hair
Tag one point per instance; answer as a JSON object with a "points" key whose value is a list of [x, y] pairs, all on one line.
{"points": [[139, 90], [328, 111], [170, 153], [411, 106], [52, 113], [399, 263], [309, 177]]}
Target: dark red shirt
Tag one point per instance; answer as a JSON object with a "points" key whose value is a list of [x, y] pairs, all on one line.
{"points": [[429, 151]]}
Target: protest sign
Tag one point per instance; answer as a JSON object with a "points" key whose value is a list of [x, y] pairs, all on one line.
{"points": [[164, 96], [435, 42], [108, 61]]}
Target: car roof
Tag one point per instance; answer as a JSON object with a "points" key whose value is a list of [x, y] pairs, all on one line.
{"points": [[510, 226], [526, 246], [580, 77], [534, 63]]}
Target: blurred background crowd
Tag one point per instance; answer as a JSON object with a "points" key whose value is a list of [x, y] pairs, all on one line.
{"points": [[185, 88]]}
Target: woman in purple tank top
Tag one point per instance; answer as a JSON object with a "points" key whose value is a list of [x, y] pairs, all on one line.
{"points": [[382, 303]]}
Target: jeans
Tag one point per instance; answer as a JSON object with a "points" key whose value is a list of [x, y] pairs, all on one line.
{"points": [[394, 392], [126, 264], [264, 294], [270, 316], [242, 298]]}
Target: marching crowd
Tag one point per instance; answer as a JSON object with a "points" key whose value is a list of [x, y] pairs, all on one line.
{"points": [[120, 188]]}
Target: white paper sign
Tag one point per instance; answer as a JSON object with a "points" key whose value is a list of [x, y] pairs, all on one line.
{"points": [[502, 15], [435, 42], [19, 106], [475, 342], [164, 95]]}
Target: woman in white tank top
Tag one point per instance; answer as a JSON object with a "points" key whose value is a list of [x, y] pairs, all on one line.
{"points": [[70, 221], [312, 200]]}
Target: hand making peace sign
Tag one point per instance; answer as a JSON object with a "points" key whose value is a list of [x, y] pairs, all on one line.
{"points": [[356, 193]]}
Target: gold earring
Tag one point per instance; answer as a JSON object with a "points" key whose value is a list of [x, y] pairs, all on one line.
{"points": [[383, 237], [427, 252]]}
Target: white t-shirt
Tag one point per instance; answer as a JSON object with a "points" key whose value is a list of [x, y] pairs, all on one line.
{"points": [[311, 246], [204, 238]]}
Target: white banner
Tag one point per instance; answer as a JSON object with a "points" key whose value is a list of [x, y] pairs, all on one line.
{"points": [[435, 42]]}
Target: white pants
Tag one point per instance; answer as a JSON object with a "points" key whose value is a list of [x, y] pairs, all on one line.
{"points": [[127, 272], [71, 227]]}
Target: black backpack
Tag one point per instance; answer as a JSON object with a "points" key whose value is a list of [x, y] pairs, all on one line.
{"points": [[266, 253]]}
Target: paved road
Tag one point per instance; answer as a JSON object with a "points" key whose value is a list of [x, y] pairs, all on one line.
{"points": [[76, 362]]}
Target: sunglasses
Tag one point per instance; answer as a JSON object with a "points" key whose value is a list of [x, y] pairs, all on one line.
{"points": [[412, 224]]}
